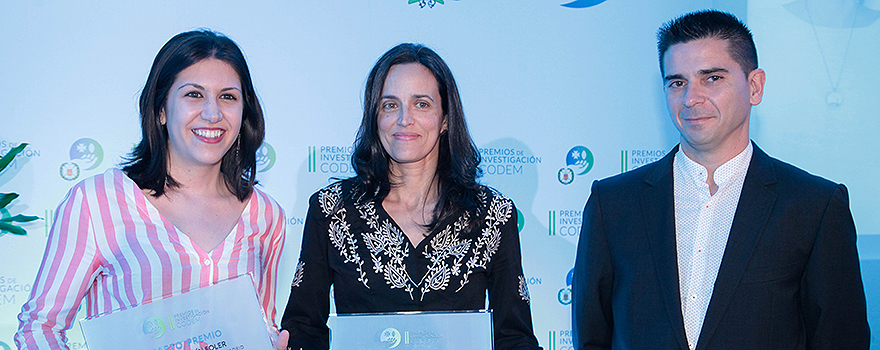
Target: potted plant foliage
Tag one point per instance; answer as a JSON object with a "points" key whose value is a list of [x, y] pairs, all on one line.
{"points": [[8, 223]]}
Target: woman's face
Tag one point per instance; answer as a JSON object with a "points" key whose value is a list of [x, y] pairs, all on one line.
{"points": [[203, 113], [411, 115]]}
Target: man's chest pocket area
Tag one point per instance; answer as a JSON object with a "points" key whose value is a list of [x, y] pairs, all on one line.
{"points": [[771, 274]]}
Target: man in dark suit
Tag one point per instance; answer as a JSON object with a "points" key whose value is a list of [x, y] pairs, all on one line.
{"points": [[717, 245]]}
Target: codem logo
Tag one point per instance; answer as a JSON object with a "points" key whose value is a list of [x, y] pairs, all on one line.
{"points": [[390, 336], [580, 159], [154, 327], [265, 157], [85, 153], [3, 346]]}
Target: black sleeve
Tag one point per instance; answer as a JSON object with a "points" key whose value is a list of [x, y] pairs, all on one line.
{"points": [[308, 307], [508, 292], [832, 294], [592, 320]]}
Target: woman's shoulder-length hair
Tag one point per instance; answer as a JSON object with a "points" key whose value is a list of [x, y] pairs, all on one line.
{"points": [[458, 164]]}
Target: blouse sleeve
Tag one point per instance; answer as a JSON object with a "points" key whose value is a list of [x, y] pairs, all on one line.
{"points": [[308, 307], [508, 293], [67, 270], [276, 232]]}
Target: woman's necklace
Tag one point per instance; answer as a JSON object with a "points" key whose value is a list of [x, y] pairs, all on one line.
{"points": [[834, 98]]}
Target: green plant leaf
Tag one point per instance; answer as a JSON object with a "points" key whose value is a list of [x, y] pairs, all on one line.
{"points": [[5, 198], [10, 155], [20, 218], [16, 230]]}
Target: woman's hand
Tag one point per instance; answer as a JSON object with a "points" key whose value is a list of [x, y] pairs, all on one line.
{"points": [[281, 341]]}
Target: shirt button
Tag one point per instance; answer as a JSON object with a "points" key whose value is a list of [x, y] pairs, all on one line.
{"points": [[206, 262]]}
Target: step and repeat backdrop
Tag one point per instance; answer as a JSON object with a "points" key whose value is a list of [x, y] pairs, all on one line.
{"points": [[557, 93]]}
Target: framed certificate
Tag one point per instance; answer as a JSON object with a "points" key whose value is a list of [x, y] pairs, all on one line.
{"points": [[223, 316], [471, 330]]}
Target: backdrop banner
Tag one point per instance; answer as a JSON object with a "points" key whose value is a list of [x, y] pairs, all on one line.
{"points": [[557, 94]]}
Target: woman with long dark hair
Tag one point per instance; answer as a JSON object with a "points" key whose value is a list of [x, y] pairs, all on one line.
{"points": [[181, 214], [413, 230]]}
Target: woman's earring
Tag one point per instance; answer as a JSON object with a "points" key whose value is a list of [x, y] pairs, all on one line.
{"points": [[237, 146]]}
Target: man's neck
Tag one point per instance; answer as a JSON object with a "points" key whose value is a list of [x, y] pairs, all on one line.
{"points": [[711, 159]]}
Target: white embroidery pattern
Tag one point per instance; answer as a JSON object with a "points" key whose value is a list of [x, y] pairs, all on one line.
{"points": [[339, 229], [386, 239], [524, 290], [298, 276], [445, 244], [388, 246], [487, 244]]}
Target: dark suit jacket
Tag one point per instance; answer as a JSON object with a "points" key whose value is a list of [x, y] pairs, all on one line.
{"points": [[789, 277]]}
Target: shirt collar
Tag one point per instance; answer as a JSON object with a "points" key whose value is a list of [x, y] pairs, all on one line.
{"points": [[723, 175]]}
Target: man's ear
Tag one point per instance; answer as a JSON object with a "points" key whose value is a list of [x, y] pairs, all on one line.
{"points": [[756, 86]]}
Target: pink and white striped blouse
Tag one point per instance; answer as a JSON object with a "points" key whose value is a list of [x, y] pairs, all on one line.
{"points": [[110, 245]]}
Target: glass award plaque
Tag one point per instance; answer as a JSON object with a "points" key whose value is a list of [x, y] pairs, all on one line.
{"points": [[460, 330], [223, 316]]}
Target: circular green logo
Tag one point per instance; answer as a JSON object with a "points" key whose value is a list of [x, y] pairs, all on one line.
{"points": [[88, 152], [580, 158], [265, 157], [154, 327], [390, 336]]}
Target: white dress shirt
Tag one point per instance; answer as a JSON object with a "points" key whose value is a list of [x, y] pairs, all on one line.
{"points": [[702, 225]]}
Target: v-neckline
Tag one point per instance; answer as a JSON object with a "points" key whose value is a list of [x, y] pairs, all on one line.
{"points": [[417, 248], [180, 235]]}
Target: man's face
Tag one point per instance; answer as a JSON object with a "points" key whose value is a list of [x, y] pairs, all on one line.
{"points": [[709, 96]]}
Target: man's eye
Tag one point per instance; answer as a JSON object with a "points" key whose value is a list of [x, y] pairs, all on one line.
{"points": [[675, 84], [422, 104], [389, 105], [714, 78]]}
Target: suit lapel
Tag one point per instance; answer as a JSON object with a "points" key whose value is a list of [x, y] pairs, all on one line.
{"points": [[659, 215], [752, 212]]}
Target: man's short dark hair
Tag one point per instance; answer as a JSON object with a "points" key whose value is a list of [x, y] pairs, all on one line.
{"points": [[710, 24]]}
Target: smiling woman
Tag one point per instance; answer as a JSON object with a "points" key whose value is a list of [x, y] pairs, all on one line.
{"points": [[413, 231], [411, 118], [203, 114], [181, 214]]}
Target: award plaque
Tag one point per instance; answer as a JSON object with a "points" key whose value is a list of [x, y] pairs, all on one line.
{"points": [[223, 316], [460, 330]]}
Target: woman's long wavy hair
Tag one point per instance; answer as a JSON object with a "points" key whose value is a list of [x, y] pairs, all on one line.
{"points": [[458, 164], [147, 165]]}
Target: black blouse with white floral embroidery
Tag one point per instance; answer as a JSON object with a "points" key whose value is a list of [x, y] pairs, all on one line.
{"points": [[373, 267]]}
